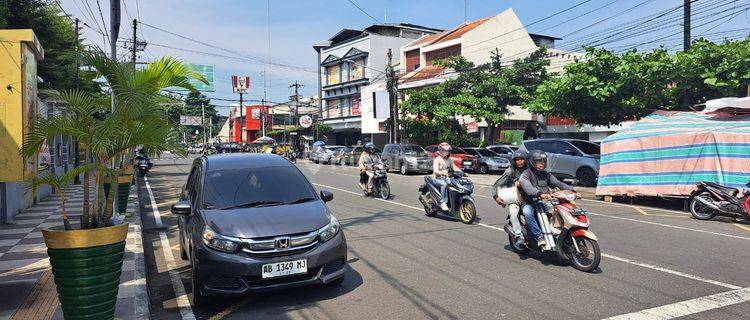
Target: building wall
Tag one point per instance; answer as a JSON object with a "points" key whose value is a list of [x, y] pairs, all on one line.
{"points": [[411, 59], [479, 42], [432, 56]]}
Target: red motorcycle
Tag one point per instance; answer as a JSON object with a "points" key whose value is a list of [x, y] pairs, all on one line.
{"points": [[712, 199], [574, 243]]}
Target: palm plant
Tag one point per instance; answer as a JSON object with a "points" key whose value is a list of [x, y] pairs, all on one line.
{"points": [[109, 135]]}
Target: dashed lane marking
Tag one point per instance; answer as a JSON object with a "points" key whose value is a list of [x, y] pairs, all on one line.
{"points": [[741, 226], [641, 211], [625, 260], [671, 226], [689, 307], [154, 207]]}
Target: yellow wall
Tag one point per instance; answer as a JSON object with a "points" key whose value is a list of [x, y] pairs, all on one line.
{"points": [[19, 52]]}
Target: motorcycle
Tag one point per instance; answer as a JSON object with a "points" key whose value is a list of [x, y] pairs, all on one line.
{"points": [[380, 186], [460, 202], [144, 165], [712, 199], [575, 242]]}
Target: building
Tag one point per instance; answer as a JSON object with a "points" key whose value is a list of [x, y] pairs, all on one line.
{"points": [[475, 41], [249, 125], [349, 61]]}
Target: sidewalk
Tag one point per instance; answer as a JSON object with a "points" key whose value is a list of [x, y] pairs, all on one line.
{"points": [[26, 284]]}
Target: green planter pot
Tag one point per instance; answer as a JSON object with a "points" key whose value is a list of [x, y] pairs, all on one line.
{"points": [[87, 265], [123, 192]]}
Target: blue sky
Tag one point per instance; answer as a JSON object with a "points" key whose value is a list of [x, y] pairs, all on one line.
{"points": [[243, 26]]}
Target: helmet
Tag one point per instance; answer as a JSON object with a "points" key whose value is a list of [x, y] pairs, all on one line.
{"points": [[369, 147], [537, 156], [444, 149], [519, 154]]}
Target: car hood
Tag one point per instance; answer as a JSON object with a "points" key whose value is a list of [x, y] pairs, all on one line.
{"points": [[268, 221]]}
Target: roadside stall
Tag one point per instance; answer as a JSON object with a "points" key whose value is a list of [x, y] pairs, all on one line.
{"points": [[666, 153]]}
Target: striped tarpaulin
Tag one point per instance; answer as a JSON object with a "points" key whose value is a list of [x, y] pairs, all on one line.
{"points": [[666, 153]]}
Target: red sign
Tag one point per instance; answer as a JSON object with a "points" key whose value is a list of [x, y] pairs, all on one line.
{"points": [[240, 84]]}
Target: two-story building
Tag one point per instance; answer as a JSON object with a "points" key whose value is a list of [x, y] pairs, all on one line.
{"points": [[350, 61], [475, 41]]}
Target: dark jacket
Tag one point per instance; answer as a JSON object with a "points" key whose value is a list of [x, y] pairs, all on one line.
{"points": [[508, 179], [534, 183]]}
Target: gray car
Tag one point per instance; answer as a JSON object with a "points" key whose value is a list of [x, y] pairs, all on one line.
{"points": [[504, 150], [272, 231], [488, 161], [569, 158], [325, 154], [351, 157], [407, 158]]}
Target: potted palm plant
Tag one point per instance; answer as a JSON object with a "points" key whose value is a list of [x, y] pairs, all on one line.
{"points": [[86, 254]]}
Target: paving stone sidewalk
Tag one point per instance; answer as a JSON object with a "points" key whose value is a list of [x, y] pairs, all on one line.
{"points": [[27, 289]]}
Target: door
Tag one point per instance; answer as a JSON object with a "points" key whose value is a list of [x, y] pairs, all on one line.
{"points": [[189, 193], [568, 158], [386, 155]]}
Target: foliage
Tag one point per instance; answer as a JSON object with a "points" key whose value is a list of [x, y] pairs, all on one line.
{"points": [[56, 33], [322, 128], [606, 88], [138, 120], [483, 92]]}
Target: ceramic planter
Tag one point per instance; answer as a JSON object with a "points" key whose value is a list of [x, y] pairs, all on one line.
{"points": [[123, 191]]}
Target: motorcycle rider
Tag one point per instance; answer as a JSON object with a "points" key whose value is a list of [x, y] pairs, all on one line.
{"points": [[367, 161], [510, 179], [536, 182], [442, 166]]}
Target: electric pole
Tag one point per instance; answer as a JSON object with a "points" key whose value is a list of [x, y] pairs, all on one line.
{"points": [[295, 98], [135, 42], [392, 84], [686, 43], [242, 132], [203, 124]]}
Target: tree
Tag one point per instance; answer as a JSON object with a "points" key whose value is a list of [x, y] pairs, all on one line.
{"points": [[606, 88], [56, 34], [194, 102]]}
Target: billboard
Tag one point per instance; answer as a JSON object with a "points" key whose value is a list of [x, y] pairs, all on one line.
{"points": [[240, 84], [190, 121], [207, 71]]}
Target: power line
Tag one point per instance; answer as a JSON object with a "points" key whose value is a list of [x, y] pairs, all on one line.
{"points": [[104, 24], [363, 11]]}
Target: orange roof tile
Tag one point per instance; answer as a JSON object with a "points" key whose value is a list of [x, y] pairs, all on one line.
{"points": [[426, 72], [457, 32]]}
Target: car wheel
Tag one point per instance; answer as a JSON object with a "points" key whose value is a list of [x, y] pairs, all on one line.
{"points": [[587, 177], [483, 169], [403, 169], [197, 299]]}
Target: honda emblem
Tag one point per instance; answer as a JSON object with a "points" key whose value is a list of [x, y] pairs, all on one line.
{"points": [[282, 243]]}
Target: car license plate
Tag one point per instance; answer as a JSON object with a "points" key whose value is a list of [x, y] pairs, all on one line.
{"points": [[467, 163], [285, 268]]}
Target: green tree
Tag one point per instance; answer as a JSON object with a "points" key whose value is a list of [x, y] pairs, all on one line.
{"points": [[194, 101]]}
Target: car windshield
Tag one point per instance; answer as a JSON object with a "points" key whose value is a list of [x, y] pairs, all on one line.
{"points": [[267, 185], [413, 150], [457, 150], [587, 147], [486, 153]]}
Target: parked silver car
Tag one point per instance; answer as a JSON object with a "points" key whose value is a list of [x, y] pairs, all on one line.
{"points": [[325, 154], [407, 158], [504, 150], [569, 158], [488, 161]]}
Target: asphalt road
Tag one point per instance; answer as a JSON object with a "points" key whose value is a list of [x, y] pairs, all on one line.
{"points": [[657, 264]]}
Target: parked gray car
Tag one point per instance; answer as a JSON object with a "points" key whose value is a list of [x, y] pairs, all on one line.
{"points": [[325, 154], [273, 231], [407, 158], [488, 161], [351, 157], [569, 158], [504, 150]]}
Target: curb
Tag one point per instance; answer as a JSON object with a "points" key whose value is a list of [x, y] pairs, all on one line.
{"points": [[142, 304]]}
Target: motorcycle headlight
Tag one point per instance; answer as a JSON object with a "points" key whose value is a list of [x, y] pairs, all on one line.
{"points": [[330, 230], [218, 242]]}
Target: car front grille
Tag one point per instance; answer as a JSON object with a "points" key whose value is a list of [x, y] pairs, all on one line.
{"points": [[225, 283], [269, 246]]}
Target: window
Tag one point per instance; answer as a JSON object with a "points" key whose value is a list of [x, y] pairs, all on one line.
{"points": [[587, 147], [471, 152], [387, 149], [345, 106], [532, 145], [413, 149], [457, 150], [486, 153], [332, 75], [357, 69], [554, 147], [333, 108], [237, 186], [344, 67], [502, 150]]}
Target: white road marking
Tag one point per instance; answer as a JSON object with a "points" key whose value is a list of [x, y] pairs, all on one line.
{"points": [[689, 307], [677, 273], [186, 311], [154, 208], [671, 226], [602, 203], [625, 260]]}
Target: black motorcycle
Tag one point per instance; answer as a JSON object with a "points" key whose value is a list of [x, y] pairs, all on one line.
{"points": [[144, 165], [712, 199], [380, 186], [460, 202]]}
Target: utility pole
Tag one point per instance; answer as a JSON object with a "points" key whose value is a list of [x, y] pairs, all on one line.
{"points": [[295, 98], [76, 80], [242, 125], [114, 23], [210, 127], [686, 43], [263, 118], [392, 84], [135, 42], [203, 124]]}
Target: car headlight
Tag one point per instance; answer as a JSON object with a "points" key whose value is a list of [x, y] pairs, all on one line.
{"points": [[218, 242], [411, 159], [330, 230]]}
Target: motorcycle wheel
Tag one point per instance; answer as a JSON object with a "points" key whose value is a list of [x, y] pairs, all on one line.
{"points": [[385, 190], [467, 212], [699, 210], [588, 259], [517, 249]]}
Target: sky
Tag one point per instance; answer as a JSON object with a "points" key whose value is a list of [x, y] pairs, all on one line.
{"points": [[240, 30]]}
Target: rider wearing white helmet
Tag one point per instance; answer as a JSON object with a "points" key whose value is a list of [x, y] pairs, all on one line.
{"points": [[442, 165]]}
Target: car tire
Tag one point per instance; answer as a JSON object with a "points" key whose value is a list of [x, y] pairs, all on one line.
{"points": [[197, 299], [483, 169], [586, 177], [403, 169]]}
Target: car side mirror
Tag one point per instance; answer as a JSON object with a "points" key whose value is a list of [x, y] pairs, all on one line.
{"points": [[181, 207], [326, 195]]}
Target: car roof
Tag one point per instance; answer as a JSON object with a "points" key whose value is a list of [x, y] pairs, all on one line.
{"points": [[557, 139], [227, 161]]}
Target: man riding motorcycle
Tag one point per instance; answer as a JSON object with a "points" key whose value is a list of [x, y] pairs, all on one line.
{"points": [[367, 161], [442, 166], [536, 182], [510, 179]]}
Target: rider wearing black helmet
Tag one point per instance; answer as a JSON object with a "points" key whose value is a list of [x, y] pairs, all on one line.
{"points": [[366, 162], [510, 179], [536, 182]]}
